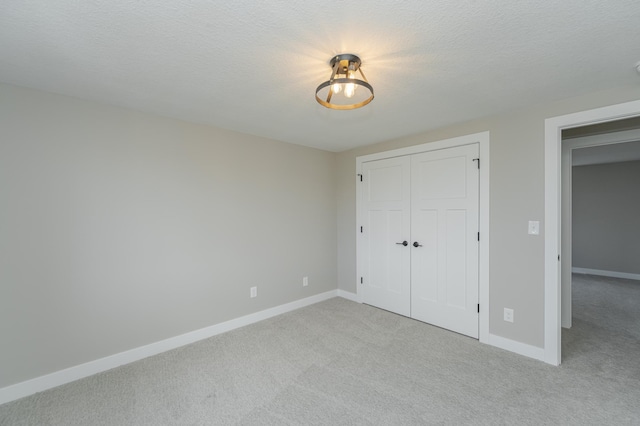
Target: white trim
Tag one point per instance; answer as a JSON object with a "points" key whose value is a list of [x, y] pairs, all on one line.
{"points": [[604, 273], [484, 211], [566, 207], [517, 347], [425, 147], [552, 203], [358, 234], [39, 384], [348, 295], [610, 138], [483, 139]]}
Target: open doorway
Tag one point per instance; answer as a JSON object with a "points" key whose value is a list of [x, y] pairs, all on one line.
{"points": [[554, 127], [600, 241], [604, 156]]}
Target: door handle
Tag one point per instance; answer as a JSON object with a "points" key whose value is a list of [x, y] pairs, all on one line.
{"points": [[415, 244], [404, 243]]}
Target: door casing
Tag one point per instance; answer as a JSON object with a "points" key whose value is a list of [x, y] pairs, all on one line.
{"points": [[553, 213]]}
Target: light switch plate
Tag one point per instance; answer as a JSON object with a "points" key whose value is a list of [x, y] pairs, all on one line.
{"points": [[534, 227]]}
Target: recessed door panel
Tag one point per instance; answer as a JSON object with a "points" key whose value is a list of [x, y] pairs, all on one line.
{"points": [[456, 259], [385, 183], [425, 260], [441, 178], [379, 262]]}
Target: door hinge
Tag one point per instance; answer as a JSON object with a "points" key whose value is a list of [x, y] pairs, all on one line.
{"points": [[361, 229], [478, 308], [478, 160], [361, 280], [558, 258], [478, 236], [360, 177]]}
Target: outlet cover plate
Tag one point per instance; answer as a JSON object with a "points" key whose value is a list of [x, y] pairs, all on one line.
{"points": [[508, 315]]}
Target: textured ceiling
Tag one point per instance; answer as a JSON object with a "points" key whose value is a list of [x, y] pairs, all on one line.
{"points": [[253, 66]]}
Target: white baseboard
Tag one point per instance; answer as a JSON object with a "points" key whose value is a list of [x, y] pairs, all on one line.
{"points": [[497, 341], [39, 384], [348, 295], [602, 273], [517, 347]]}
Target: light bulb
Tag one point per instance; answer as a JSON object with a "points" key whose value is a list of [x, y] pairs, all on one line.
{"points": [[350, 88], [336, 87]]}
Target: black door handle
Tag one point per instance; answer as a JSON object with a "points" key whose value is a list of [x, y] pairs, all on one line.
{"points": [[404, 243], [415, 244]]}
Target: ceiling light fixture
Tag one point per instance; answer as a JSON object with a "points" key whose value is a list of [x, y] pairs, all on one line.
{"points": [[343, 90]]}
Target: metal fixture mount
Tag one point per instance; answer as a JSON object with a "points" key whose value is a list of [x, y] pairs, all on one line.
{"points": [[343, 90]]}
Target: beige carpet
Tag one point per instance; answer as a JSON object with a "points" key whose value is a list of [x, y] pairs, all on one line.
{"points": [[341, 363]]}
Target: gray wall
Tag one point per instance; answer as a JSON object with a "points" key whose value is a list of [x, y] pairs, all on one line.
{"points": [[119, 229], [517, 196], [606, 217]]}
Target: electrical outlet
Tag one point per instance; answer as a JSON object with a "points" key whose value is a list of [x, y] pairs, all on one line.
{"points": [[254, 291], [534, 227], [508, 315], [305, 281]]}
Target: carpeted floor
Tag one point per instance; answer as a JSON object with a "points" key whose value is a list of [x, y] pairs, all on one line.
{"points": [[342, 363]]}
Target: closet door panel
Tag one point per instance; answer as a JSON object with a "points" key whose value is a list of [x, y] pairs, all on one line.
{"points": [[444, 265], [385, 266]]}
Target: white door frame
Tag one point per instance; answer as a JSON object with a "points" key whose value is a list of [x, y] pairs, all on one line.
{"points": [[552, 212], [483, 262]]}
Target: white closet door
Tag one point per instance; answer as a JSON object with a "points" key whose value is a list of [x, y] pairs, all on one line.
{"points": [[385, 261], [444, 225]]}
